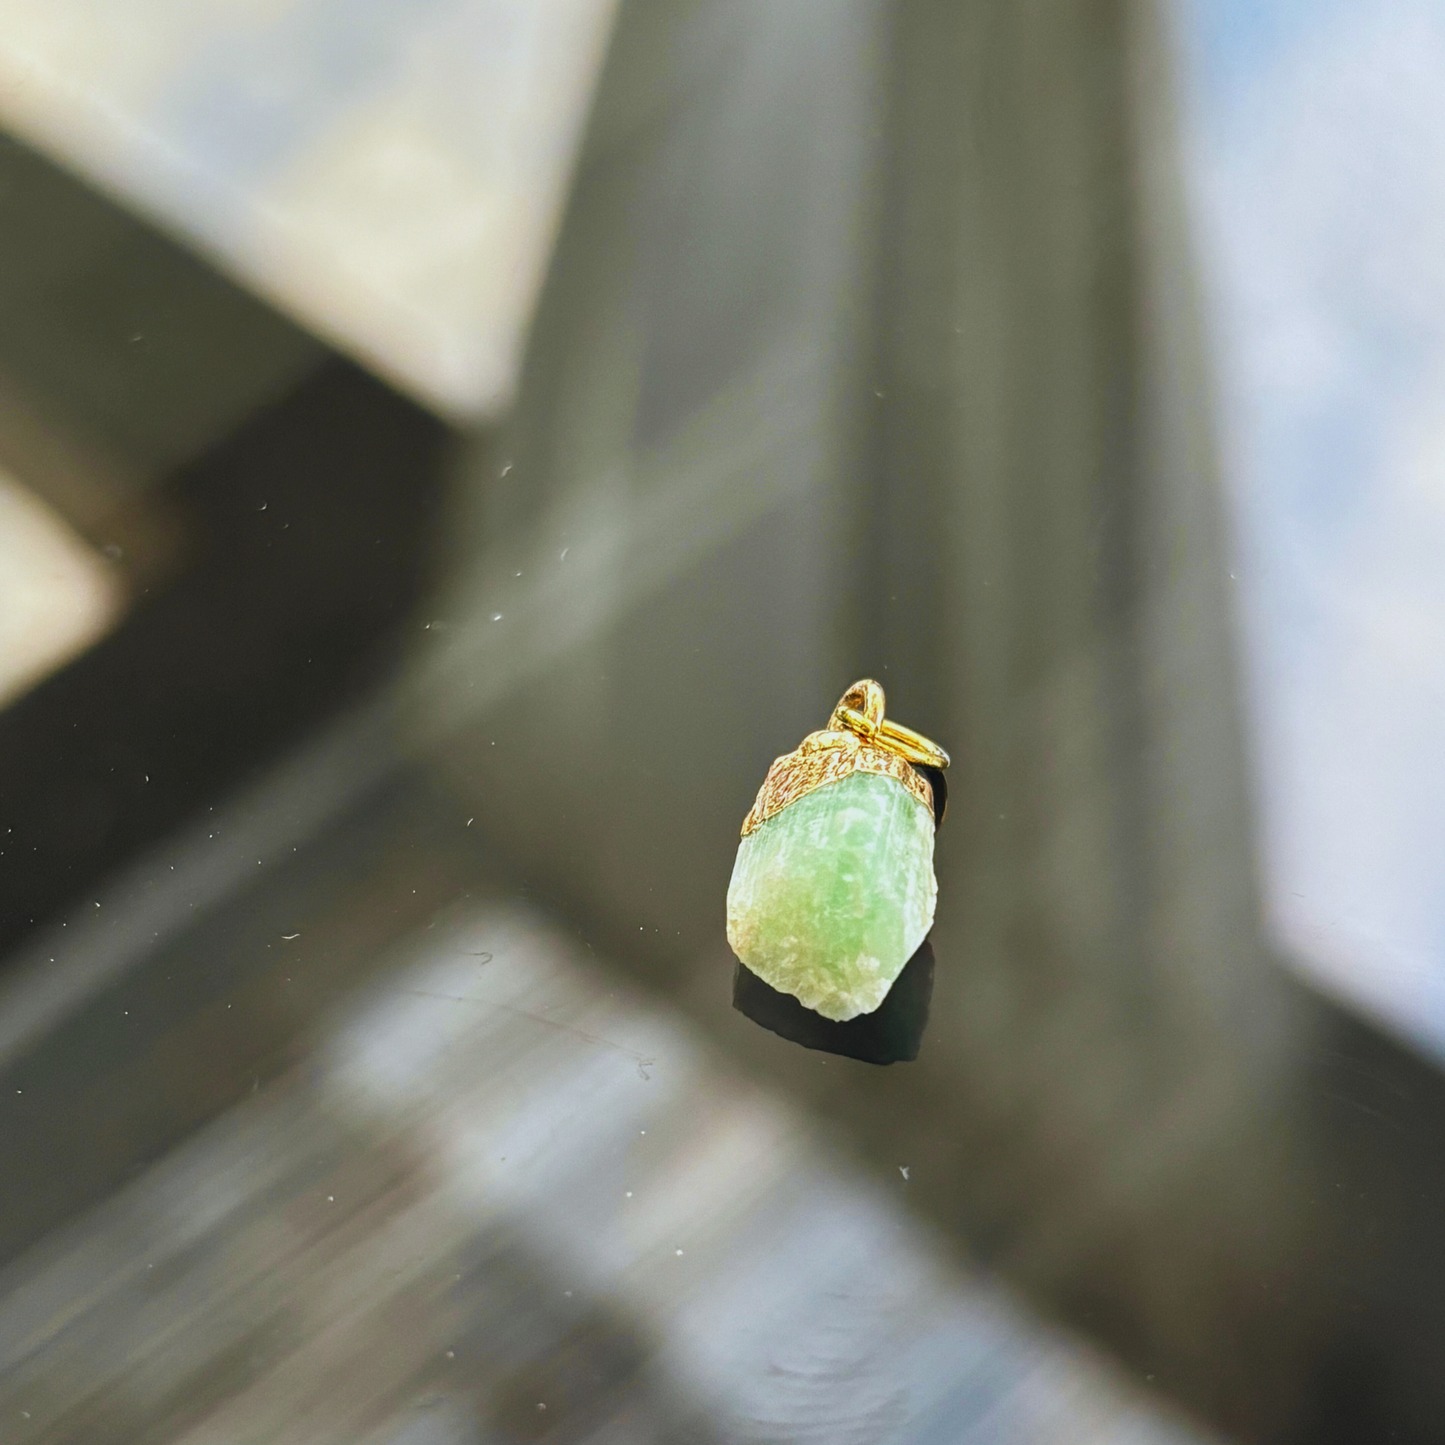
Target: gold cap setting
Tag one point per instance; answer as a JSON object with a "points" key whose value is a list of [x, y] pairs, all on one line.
{"points": [[858, 739]]}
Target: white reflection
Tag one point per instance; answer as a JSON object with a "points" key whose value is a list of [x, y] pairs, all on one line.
{"points": [[388, 172], [57, 594], [1322, 166]]}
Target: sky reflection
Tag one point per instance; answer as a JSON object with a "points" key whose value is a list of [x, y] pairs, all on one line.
{"points": [[1317, 153]]}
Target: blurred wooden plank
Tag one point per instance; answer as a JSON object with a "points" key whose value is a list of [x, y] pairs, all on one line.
{"points": [[504, 1199]]}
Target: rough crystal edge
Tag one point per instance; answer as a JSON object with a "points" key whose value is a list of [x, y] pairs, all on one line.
{"points": [[822, 993], [891, 1034], [828, 757]]}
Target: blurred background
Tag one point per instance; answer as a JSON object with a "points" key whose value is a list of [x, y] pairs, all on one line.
{"points": [[449, 447]]}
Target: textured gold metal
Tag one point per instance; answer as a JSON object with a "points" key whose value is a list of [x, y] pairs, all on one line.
{"points": [[825, 757], [858, 739]]}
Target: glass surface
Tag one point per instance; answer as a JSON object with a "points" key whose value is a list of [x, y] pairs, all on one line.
{"points": [[456, 448]]}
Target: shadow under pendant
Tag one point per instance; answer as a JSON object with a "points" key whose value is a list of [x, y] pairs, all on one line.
{"points": [[833, 889]]}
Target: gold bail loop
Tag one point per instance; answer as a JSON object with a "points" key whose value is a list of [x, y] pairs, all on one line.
{"points": [[860, 711]]}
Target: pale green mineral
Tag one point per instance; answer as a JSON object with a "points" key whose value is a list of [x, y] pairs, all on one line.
{"points": [[832, 896]]}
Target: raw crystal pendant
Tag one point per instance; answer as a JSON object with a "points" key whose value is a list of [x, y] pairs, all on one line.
{"points": [[833, 889]]}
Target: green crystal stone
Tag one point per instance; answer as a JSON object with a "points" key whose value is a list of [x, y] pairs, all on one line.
{"points": [[832, 896]]}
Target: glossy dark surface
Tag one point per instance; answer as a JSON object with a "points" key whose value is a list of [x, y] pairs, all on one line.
{"points": [[369, 1063]]}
